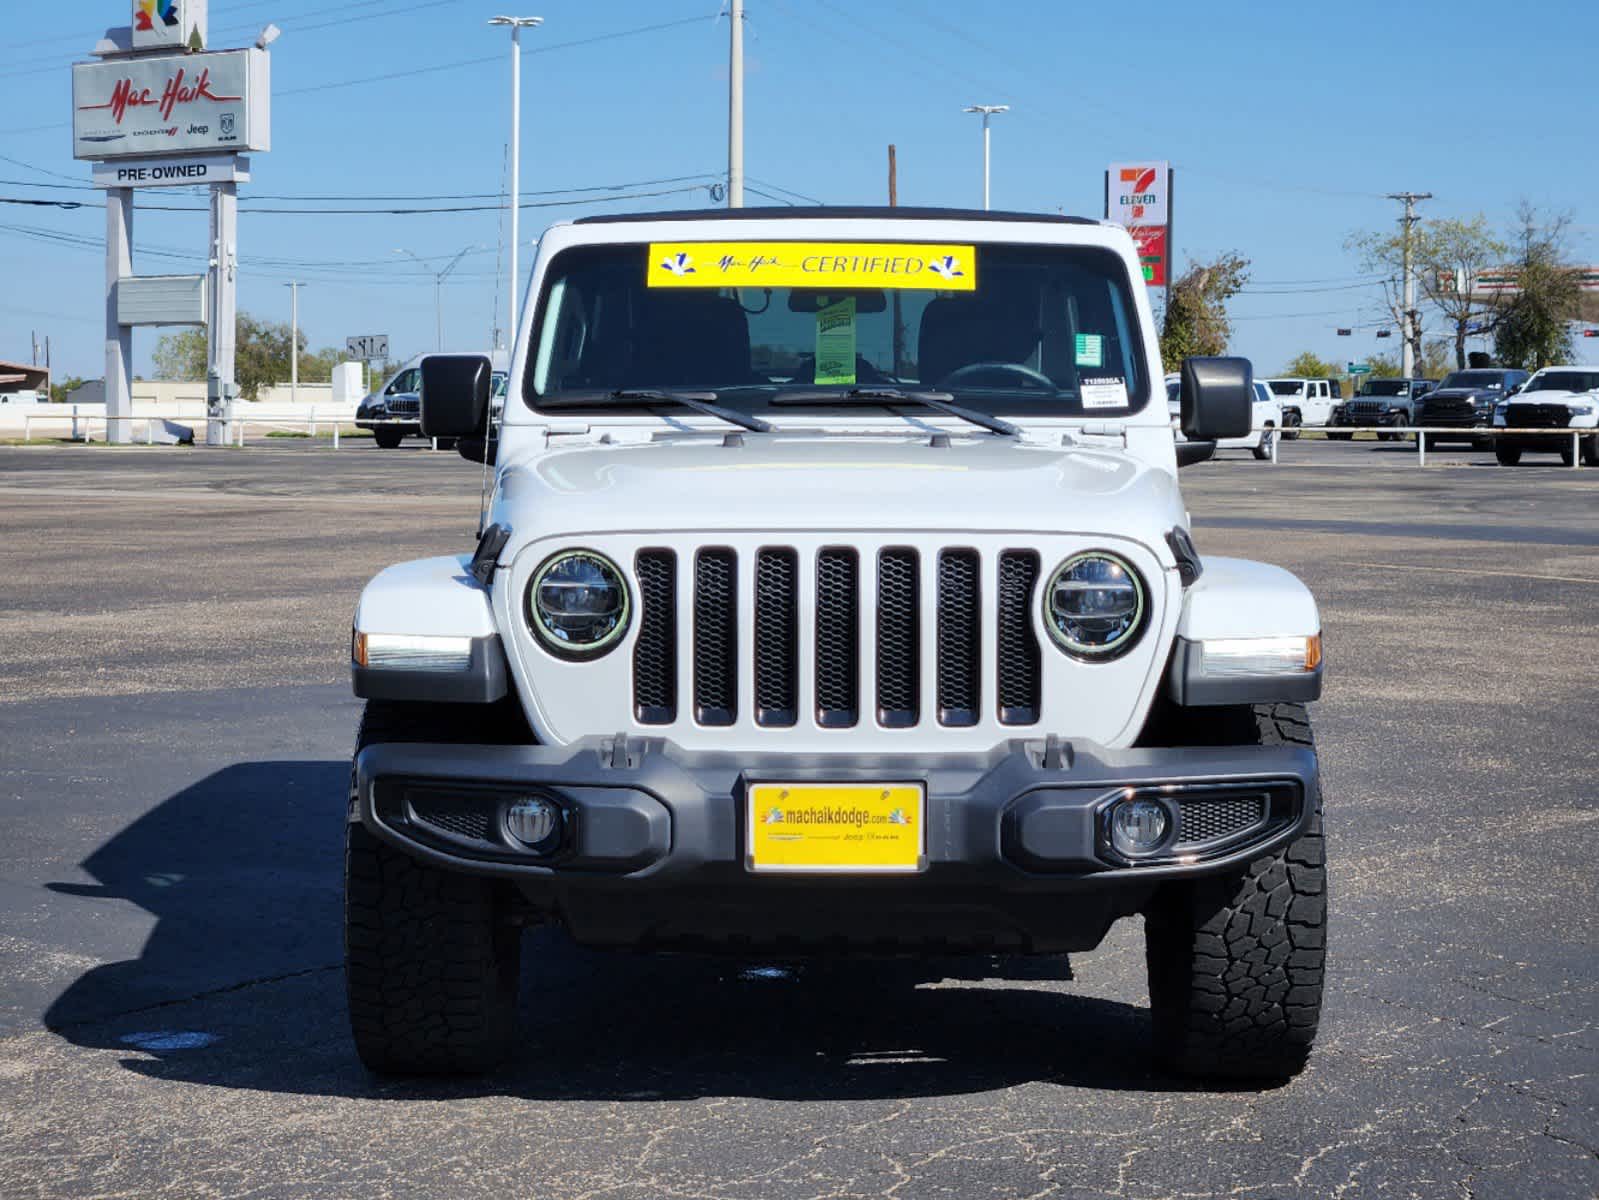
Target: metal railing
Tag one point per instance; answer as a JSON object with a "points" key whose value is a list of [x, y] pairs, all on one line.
{"points": [[1462, 433], [82, 424]]}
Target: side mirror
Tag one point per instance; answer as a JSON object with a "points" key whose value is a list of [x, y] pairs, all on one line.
{"points": [[1217, 398], [455, 395]]}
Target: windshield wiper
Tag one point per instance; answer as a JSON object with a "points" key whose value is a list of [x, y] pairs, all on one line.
{"points": [[889, 397], [704, 402]]}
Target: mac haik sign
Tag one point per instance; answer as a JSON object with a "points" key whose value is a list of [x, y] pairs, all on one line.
{"points": [[123, 108], [169, 24]]}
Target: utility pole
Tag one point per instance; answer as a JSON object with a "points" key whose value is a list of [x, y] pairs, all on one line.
{"points": [[735, 106], [899, 319], [517, 24], [1408, 332], [988, 110], [438, 293], [294, 341]]}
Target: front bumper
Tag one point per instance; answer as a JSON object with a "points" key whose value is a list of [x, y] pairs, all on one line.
{"points": [[1392, 417], [656, 837]]}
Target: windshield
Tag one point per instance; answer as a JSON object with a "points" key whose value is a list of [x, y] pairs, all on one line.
{"points": [[1286, 387], [1385, 387], [1007, 330], [1565, 381], [1474, 379]]}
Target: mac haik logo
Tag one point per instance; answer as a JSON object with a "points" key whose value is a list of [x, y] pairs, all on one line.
{"points": [[147, 12], [678, 264], [179, 89], [1140, 194], [946, 265]]}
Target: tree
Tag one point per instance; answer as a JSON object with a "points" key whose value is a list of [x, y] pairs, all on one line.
{"points": [[60, 391], [181, 355], [1383, 254], [1196, 319], [1435, 362], [1308, 365], [1455, 252], [1535, 328]]}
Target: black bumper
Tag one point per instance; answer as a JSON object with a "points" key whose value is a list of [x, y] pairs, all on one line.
{"points": [[1016, 854], [399, 424], [1341, 419]]}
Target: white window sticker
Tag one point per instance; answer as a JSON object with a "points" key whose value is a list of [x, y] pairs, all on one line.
{"points": [[1090, 349], [1105, 393]]}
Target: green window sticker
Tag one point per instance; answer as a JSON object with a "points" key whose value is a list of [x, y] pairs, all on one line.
{"points": [[1090, 350], [835, 342]]}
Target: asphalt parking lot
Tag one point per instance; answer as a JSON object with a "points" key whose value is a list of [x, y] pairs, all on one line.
{"points": [[175, 725]]}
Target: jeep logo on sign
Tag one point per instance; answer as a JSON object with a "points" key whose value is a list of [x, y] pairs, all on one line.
{"points": [[199, 129]]}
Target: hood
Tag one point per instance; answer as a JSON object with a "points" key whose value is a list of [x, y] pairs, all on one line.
{"points": [[1554, 397], [1475, 395], [837, 483]]}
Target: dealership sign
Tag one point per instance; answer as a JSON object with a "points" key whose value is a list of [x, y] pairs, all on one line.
{"points": [[124, 108], [169, 24], [173, 172]]}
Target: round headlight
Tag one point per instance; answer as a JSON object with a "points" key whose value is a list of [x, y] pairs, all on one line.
{"points": [[578, 603], [1095, 605]]}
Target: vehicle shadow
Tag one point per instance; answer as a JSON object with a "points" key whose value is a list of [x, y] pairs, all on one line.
{"points": [[242, 872]]}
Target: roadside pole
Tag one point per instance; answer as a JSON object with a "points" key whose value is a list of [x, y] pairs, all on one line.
{"points": [[1408, 325], [294, 341], [118, 337], [221, 344], [735, 107]]}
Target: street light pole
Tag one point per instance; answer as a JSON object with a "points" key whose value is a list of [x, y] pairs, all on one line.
{"points": [[735, 108], [294, 341], [1408, 331], [438, 289], [517, 24], [988, 110]]}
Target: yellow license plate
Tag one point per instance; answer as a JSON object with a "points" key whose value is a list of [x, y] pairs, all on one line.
{"points": [[836, 827]]}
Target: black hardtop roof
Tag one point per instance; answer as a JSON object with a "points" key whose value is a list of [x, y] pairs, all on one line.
{"points": [[825, 212]]}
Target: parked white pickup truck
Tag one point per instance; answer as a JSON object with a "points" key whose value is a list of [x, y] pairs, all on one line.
{"points": [[836, 594], [1266, 420]]}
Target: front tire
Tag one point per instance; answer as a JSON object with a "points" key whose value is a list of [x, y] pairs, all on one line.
{"points": [[1508, 456], [1236, 961], [431, 957], [387, 438], [1291, 423], [1262, 450]]}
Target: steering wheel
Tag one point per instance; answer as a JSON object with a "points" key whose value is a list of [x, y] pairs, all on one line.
{"points": [[1036, 378]]}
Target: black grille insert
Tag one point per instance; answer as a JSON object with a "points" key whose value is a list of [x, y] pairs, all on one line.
{"points": [[776, 637], [1209, 818], [468, 817], [899, 638], [1018, 669], [837, 638], [960, 655], [655, 652], [716, 637]]}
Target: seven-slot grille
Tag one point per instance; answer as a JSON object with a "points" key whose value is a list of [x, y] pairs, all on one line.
{"points": [[773, 636]]}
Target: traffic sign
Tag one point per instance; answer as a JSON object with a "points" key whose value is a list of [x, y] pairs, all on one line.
{"points": [[374, 347], [1360, 368]]}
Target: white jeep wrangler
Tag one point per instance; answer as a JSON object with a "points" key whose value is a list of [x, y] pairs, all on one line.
{"points": [[835, 594]]}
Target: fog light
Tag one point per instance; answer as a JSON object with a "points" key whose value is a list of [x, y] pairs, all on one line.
{"points": [[534, 821], [1138, 826]]}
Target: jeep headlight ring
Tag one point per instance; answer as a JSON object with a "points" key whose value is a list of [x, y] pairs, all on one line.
{"points": [[578, 604], [1096, 605]]}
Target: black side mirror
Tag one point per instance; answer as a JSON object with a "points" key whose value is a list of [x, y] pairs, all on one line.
{"points": [[455, 395], [1217, 398]]}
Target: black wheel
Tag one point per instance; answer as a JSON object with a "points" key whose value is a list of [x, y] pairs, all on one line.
{"points": [[1236, 961], [1590, 451], [1262, 452], [387, 438], [1291, 422], [1566, 456], [431, 957], [1508, 456], [1339, 437]]}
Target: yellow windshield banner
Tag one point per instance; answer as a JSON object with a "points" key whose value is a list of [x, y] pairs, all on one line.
{"points": [[812, 265]]}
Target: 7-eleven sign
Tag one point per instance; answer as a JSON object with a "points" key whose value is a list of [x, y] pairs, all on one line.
{"points": [[1152, 254], [1139, 194]]}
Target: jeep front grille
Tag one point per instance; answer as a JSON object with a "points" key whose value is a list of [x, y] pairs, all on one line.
{"points": [[794, 658]]}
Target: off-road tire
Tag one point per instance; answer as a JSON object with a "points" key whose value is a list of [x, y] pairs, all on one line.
{"points": [[431, 957], [1291, 422], [387, 439], [1508, 456], [1236, 961]]}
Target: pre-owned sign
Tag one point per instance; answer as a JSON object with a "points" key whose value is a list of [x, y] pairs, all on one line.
{"points": [[124, 108], [173, 172]]}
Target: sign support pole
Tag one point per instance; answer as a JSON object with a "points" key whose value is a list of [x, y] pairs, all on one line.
{"points": [[118, 337], [221, 344]]}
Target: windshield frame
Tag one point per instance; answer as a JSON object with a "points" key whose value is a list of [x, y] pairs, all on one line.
{"points": [[1129, 317]]}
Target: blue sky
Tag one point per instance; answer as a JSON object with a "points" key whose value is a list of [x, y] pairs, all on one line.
{"points": [[1286, 124]]}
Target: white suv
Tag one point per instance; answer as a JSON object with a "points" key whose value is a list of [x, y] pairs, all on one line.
{"points": [[1266, 419], [1304, 401], [836, 595]]}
